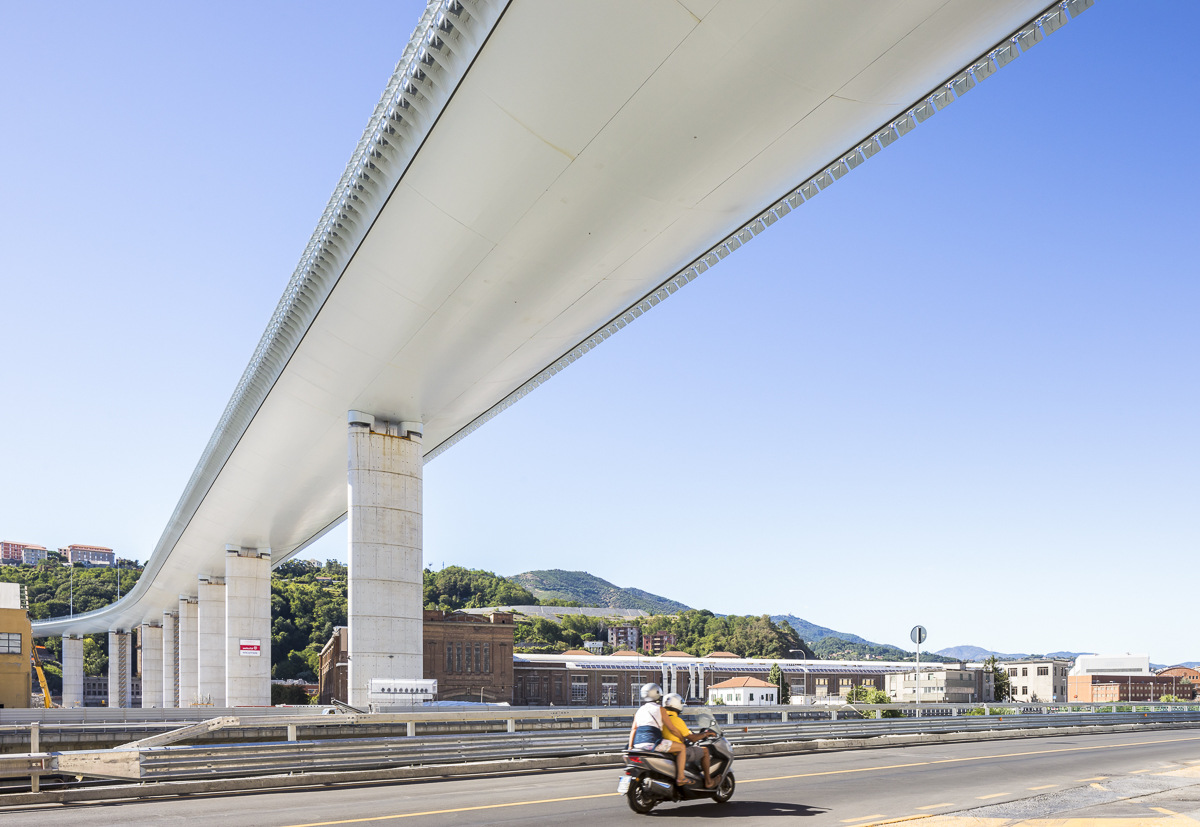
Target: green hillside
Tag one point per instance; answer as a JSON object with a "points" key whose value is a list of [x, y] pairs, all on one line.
{"points": [[578, 586], [832, 648], [812, 631]]}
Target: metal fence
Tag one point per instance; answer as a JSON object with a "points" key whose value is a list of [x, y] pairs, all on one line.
{"points": [[210, 761]]}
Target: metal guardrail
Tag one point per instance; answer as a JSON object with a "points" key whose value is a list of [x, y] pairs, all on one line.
{"points": [[102, 716], [211, 761], [107, 715]]}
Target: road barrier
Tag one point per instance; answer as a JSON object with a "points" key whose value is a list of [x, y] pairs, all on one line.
{"points": [[152, 761]]}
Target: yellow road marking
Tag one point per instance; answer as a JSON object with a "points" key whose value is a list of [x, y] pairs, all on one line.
{"points": [[935, 806], [1098, 787], [993, 795], [453, 810], [898, 820], [1136, 772], [1043, 787], [862, 818], [755, 780], [1097, 778], [1164, 811]]}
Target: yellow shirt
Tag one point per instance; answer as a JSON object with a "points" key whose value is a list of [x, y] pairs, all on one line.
{"points": [[679, 725]]}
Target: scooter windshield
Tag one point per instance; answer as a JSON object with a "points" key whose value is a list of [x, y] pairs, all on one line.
{"points": [[707, 720]]}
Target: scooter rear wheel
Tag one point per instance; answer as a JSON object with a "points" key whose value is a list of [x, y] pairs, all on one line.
{"points": [[639, 801], [725, 789]]}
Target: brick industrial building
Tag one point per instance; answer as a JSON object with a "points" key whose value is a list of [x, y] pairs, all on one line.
{"points": [[1124, 688], [470, 656], [615, 680]]}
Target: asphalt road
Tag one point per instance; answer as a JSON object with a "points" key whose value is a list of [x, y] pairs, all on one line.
{"points": [[855, 788]]}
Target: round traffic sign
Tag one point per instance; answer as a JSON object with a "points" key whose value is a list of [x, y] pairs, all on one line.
{"points": [[918, 635]]}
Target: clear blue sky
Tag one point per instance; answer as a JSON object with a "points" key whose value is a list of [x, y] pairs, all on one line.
{"points": [[959, 389]]}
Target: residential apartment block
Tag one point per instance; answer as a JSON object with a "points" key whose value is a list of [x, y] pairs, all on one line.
{"points": [[658, 642], [949, 684], [1037, 681], [14, 554], [93, 555], [627, 636]]}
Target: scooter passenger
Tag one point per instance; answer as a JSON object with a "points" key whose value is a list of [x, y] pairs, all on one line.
{"points": [[676, 730], [646, 734]]}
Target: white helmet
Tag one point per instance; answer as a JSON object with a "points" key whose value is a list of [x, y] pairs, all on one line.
{"points": [[674, 702], [651, 692]]}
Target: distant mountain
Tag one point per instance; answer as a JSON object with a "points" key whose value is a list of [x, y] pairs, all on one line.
{"points": [[579, 586], [811, 632], [832, 648], [978, 653]]}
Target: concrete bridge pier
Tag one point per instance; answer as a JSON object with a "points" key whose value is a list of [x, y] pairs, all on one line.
{"points": [[210, 640], [170, 659], [72, 664], [189, 637], [385, 537], [120, 670], [247, 626], [152, 665]]}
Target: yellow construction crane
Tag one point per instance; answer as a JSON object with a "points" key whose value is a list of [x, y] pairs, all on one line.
{"points": [[37, 666]]}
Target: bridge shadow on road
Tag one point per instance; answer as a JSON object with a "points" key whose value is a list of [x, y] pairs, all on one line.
{"points": [[737, 809]]}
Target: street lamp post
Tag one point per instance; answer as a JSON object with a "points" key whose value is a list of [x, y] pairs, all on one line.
{"points": [[804, 657], [804, 666]]}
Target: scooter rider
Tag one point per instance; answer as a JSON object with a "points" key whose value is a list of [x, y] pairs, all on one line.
{"points": [[674, 729], [647, 731]]}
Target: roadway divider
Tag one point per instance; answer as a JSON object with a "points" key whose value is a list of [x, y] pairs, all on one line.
{"points": [[174, 770], [155, 759], [76, 729]]}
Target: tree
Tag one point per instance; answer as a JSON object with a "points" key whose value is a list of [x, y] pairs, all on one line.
{"points": [[1000, 681], [776, 677], [95, 656], [868, 695]]}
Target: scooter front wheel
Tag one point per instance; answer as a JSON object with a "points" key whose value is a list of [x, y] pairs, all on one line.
{"points": [[639, 800], [725, 789]]}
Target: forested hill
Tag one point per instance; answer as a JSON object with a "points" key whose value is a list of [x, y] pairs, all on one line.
{"points": [[811, 631], [554, 585], [50, 586]]}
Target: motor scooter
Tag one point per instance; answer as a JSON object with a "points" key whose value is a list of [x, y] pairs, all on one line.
{"points": [[649, 777]]}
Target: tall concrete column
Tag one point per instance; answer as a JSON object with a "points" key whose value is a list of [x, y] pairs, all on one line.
{"points": [[189, 660], [170, 659], [385, 552], [120, 670], [247, 626], [152, 665], [72, 666], [210, 625]]}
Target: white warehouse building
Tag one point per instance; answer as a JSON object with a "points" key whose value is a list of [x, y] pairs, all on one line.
{"points": [[1112, 665]]}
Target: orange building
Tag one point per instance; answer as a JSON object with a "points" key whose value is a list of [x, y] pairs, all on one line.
{"points": [[1101, 689]]}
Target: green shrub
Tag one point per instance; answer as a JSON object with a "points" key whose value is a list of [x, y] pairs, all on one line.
{"points": [[288, 693]]}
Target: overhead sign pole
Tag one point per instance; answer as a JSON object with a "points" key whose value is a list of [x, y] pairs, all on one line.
{"points": [[918, 635]]}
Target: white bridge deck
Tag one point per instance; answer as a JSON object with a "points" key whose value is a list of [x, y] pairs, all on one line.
{"points": [[534, 171]]}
